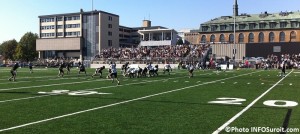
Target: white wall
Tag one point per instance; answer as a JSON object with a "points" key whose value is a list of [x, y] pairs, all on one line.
{"points": [[160, 66]]}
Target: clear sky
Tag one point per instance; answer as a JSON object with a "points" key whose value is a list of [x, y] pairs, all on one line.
{"points": [[20, 16]]}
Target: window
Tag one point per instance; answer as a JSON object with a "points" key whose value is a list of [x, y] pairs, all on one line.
{"points": [[293, 36], [109, 33], [223, 27], [271, 37], [262, 25], [109, 25], [241, 38], [283, 24], [231, 27], [72, 26], [231, 38], [251, 38], [261, 37], [252, 26], [282, 37], [294, 24], [222, 38], [59, 27], [213, 28], [212, 38], [59, 19], [203, 39], [272, 25], [242, 26], [204, 28], [72, 33], [59, 34], [109, 18], [109, 43]]}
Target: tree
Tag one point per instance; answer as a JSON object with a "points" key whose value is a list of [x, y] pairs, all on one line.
{"points": [[179, 42], [26, 50], [7, 49]]}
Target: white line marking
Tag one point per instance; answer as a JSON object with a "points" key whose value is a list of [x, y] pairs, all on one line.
{"points": [[26, 98], [51, 85], [246, 108], [118, 103]]}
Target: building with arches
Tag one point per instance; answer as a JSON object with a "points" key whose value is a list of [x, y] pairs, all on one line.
{"points": [[253, 28], [264, 28]]}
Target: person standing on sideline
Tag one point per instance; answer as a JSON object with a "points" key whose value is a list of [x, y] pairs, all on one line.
{"points": [[13, 72], [30, 67]]}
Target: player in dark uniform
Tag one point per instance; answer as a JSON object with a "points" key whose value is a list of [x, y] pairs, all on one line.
{"points": [[82, 69], [283, 69], [99, 71], [13, 72], [61, 70], [30, 67], [68, 68]]}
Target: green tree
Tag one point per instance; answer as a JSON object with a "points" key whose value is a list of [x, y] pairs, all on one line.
{"points": [[26, 50], [7, 49], [179, 42]]}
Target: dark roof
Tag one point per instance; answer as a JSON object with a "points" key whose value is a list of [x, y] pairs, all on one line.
{"points": [[77, 13], [150, 28]]}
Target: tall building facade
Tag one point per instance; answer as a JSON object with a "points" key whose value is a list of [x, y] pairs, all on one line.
{"points": [[79, 35]]}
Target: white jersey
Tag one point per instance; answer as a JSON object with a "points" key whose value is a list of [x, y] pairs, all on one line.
{"points": [[167, 66], [150, 67], [113, 68], [190, 67]]}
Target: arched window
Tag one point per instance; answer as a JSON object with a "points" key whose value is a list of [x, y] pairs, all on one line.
{"points": [[241, 38], [251, 38], [271, 37], [261, 37], [203, 39], [231, 38], [222, 38], [212, 38], [282, 37], [293, 36]]}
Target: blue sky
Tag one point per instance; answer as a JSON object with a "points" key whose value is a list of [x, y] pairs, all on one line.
{"points": [[21, 16]]}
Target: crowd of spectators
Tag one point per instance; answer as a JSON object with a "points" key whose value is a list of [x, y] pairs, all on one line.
{"points": [[292, 61], [178, 51]]}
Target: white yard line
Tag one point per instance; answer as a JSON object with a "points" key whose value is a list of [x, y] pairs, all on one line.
{"points": [[248, 107], [51, 85], [118, 103], [27, 98]]}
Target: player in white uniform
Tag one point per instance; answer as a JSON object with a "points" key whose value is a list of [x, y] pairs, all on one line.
{"points": [[167, 68], [113, 74], [190, 68]]}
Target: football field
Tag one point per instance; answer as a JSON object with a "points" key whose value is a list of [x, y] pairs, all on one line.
{"points": [[253, 101]]}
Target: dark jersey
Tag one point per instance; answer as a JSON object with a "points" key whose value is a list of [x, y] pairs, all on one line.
{"points": [[61, 66], [15, 67]]}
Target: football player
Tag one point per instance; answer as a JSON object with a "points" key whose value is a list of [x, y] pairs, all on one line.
{"points": [[99, 71], [13, 72], [114, 74], [61, 70]]}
